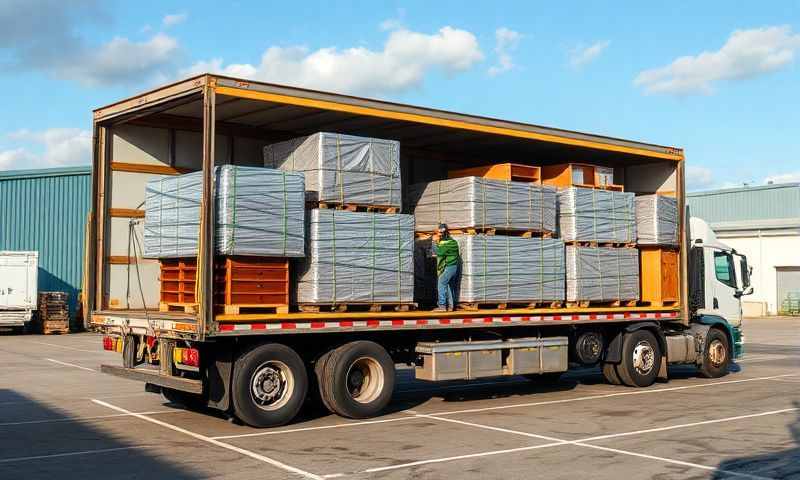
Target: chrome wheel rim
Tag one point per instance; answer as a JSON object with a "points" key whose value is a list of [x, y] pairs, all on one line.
{"points": [[272, 385], [716, 353], [644, 357], [365, 380]]}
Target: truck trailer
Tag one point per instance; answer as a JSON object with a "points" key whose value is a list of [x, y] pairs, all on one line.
{"points": [[18, 288], [261, 367]]}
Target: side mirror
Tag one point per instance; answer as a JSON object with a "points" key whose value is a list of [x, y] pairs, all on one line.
{"points": [[738, 294], [748, 291]]}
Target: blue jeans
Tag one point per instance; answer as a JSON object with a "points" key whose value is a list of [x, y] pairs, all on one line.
{"points": [[446, 284]]}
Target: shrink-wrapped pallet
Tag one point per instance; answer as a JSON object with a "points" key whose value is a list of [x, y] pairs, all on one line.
{"points": [[657, 220], [357, 257], [497, 269], [259, 212], [592, 215], [475, 202], [342, 169], [602, 274]]}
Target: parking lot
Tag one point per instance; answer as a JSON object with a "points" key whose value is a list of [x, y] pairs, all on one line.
{"points": [[61, 418]]}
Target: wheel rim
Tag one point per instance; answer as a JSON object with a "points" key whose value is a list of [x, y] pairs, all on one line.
{"points": [[272, 385], [643, 357], [716, 353], [365, 380]]}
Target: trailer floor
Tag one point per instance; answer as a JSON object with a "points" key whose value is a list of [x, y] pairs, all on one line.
{"points": [[60, 418]]}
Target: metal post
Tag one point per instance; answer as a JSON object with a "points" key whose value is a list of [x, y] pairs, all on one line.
{"points": [[205, 259]]}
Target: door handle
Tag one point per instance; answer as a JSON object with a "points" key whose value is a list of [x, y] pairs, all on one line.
{"points": [[716, 302]]}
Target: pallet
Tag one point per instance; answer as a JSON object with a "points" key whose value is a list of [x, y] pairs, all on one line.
{"points": [[662, 303], [178, 307], [55, 330], [256, 308], [50, 327], [475, 306], [357, 307], [604, 303], [602, 244], [353, 207], [491, 232]]}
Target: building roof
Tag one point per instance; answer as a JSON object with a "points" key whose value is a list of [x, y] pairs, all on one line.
{"points": [[763, 207], [46, 172]]}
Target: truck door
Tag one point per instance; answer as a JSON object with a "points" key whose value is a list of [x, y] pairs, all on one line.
{"points": [[727, 295]]}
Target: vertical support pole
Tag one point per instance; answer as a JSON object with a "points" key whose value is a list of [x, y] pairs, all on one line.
{"points": [[204, 292], [100, 185], [683, 234], [90, 253]]}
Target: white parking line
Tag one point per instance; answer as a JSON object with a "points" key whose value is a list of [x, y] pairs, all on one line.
{"points": [[309, 429], [71, 454], [80, 419], [217, 443], [72, 365], [67, 348]]}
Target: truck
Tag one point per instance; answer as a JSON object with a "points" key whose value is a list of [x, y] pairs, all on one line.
{"points": [[18, 288], [261, 368]]}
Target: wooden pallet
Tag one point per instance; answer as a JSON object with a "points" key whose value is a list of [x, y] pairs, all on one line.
{"points": [[178, 307], [50, 327], [475, 306], [502, 171], [353, 207], [602, 244], [491, 231], [605, 303], [357, 307], [236, 309], [662, 303]]}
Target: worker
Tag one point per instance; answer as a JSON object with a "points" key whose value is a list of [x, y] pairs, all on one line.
{"points": [[447, 265]]}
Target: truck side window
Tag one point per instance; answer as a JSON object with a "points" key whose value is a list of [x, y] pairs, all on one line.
{"points": [[723, 268]]}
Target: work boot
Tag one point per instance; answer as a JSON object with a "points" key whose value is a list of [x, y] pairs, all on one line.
{"points": [[439, 309], [450, 308]]}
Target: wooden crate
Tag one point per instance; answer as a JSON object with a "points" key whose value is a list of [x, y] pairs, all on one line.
{"points": [[501, 171], [659, 272], [252, 283], [580, 175]]}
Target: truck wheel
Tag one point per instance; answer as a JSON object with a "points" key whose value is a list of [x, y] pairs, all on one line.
{"points": [[269, 385], [610, 374], [319, 378], [358, 379], [641, 359], [716, 355]]}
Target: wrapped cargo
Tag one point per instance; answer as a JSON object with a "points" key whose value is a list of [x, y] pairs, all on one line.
{"points": [[474, 202], [591, 215], [259, 212], [357, 257], [601, 274], [497, 269], [342, 169], [657, 220]]}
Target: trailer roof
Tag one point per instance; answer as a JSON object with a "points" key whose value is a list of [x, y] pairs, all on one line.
{"points": [[279, 111]]}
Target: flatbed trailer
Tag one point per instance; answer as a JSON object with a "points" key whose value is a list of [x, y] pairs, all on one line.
{"points": [[239, 363]]}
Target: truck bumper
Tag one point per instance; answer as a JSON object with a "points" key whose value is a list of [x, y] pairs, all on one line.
{"points": [[13, 318], [738, 341], [154, 378]]}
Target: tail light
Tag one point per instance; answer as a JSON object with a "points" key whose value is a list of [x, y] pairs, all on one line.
{"points": [[189, 357], [108, 343]]}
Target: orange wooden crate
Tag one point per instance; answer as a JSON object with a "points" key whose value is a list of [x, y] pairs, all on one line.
{"points": [[501, 171], [240, 283], [579, 175], [659, 275]]}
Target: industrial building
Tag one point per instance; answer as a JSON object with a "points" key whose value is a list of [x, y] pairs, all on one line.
{"points": [[763, 223], [45, 211]]}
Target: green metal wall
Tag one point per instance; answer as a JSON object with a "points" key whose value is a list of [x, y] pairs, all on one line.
{"points": [[749, 203], [45, 210]]}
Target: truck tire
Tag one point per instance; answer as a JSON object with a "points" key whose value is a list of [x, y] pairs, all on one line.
{"points": [[319, 399], [358, 379], [641, 359], [270, 383], [716, 355], [610, 374]]}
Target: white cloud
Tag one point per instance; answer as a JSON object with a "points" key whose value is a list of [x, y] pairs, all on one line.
{"points": [[791, 177], [583, 55], [698, 178], [746, 54], [122, 61], [55, 147], [402, 64], [174, 19], [506, 41], [395, 23]]}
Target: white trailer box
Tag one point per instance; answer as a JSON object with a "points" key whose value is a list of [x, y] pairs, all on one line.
{"points": [[18, 290]]}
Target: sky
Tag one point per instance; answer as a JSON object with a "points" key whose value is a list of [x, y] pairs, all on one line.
{"points": [[718, 79]]}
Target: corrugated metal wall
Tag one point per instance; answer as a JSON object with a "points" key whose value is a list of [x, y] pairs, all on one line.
{"points": [[45, 210], [751, 203]]}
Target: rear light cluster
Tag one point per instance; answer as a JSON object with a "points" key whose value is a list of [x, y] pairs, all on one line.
{"points": [[112, 344], [189, 357]]}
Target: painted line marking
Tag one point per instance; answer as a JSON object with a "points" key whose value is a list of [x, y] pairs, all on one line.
{"points": [[309, 429], [248, 453], [72, 365], [68, 348], [786, 380], [71, 454], [81, 419]]}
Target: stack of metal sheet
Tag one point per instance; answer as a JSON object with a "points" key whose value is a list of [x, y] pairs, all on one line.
{"points": [[474, 202], [342, 169], [602, 274], [657, 220], [591, 215], [357, 257], [259, 211]]}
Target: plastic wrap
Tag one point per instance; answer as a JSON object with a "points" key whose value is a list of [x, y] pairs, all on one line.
{"points": [[357, 257], [474, 202], [259, 211], [590, 215], [602, 274], [657, 220], [342, 169]]}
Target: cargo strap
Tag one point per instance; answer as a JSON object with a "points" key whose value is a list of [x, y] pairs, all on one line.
{"points": [[508, 268], [333, 254], [339, 175], [619, 275], [233, 202], [600, 272], [399, 259], [285, 213], [372, 258], [594, 214], [541, 269]]}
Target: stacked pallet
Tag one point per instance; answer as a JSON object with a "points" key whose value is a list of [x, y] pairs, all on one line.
{"points": [[53, 312], [359, 248], [659, 240]]}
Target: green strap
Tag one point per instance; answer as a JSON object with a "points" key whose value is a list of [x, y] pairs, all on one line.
{"points": [[508, 204], [285, 232], [614, 216], [339, 179], [508, 268], [483, 202], [333, 254], [232, 200], [541, 269], [600, 271], [178, 210], [372, 258], [399, 260], [619, 276], [594, 215]]}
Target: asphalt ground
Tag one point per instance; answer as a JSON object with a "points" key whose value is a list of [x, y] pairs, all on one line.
{"points": [[62, 419]]}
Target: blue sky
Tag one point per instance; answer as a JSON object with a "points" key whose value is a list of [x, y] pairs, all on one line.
{"points": [[719, 79]]}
